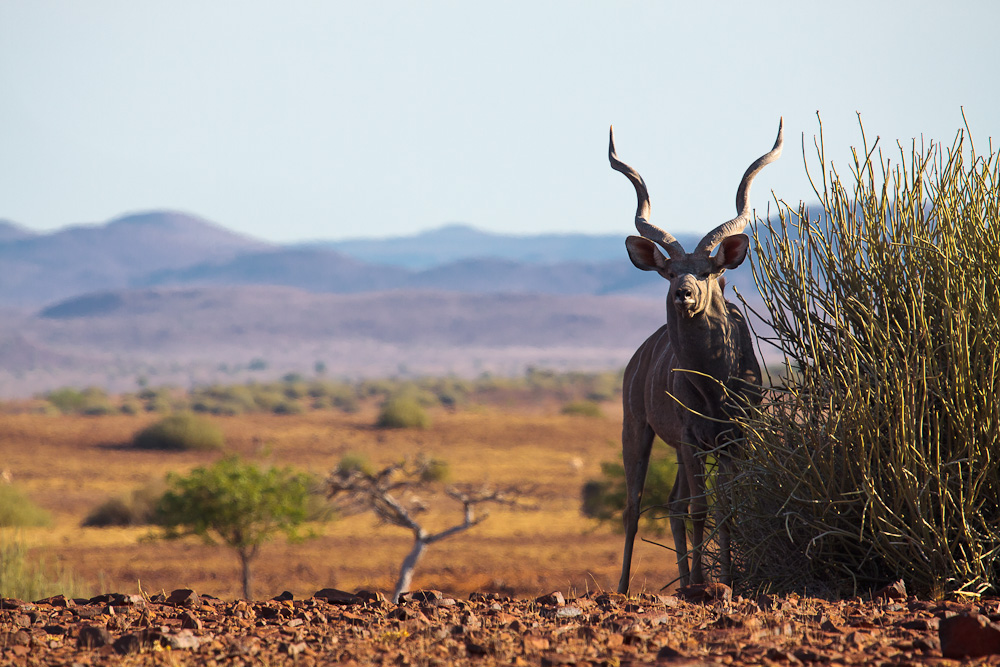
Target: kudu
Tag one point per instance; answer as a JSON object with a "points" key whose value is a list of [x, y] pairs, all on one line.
{"points": [[680, 383]]}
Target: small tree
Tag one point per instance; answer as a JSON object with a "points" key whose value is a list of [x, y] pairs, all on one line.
{"points": [[390, 494], [604, 499], [239, 504]]}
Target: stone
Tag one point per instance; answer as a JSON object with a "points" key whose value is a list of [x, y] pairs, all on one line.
{"points": [[184, 597], [93, 636], [371, 597], [894, 591], [336, 596], [968, 636], [553, 598], [57, 601], [421, 596], [712, 592], [185, 639], [189, 621], [568, 612], [668, 653]]}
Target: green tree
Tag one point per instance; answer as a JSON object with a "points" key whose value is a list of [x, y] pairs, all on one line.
{"points": [[604, 499], [238, 504]]}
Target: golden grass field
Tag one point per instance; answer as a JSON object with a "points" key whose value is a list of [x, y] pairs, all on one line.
{"points": [[70, 464]]}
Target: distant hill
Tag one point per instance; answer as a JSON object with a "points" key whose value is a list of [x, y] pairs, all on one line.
{"points": [[44, 267], [320, 270], [201, 335], [13, 232], [312, 269], [177, 299], [163, 248], [457, 242]]}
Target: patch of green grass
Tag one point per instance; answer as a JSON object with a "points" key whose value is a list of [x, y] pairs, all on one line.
{"points": [[19, 511], [25, 577], [582, 409]]}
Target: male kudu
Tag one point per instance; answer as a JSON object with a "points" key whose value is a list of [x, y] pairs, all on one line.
{"points": [[680, 382]]}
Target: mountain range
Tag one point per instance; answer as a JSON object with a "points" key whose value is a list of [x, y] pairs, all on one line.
{"points": [[175, 296]]}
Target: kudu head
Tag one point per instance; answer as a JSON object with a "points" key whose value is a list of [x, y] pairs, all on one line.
{"points": [[694, 276]]}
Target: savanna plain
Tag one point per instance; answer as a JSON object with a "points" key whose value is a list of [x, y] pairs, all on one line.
{"points": [[527, 586], [71, 464]]}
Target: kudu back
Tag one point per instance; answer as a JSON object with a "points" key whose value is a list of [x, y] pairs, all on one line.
{"points": [[680, 383]]}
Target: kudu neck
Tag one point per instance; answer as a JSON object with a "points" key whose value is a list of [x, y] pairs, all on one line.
{"points": [[705, 342]]}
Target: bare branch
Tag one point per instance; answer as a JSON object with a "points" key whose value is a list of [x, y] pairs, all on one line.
{"points": [[389, 494]]}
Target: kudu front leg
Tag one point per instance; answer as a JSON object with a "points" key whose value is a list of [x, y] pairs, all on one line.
{"points": [[637, 443]]}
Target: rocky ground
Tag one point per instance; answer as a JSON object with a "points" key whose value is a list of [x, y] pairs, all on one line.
{"points": [[700, 625]]}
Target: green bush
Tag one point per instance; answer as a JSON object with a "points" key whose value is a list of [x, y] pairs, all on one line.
{"points": [[604, 498], [179, 432], [289, 407], [875, 457], [403, 411], [354, 462], [582, 408], [136, 509], [90, 401], [18, 511]]}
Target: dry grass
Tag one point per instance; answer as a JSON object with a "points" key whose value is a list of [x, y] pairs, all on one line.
{"points": [[70, 464]]}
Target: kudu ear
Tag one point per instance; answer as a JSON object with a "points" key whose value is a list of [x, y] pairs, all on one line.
{"points": [[732, 251], [645, 255]]}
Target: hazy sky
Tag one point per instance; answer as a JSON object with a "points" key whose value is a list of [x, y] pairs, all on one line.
{"points": [[302, 120]]}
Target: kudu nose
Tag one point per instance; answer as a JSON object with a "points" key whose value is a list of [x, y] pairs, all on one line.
{"points": [[683, 294]]}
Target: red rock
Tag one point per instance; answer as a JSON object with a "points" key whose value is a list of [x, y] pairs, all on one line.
{"points": [[57, 601], [421, 596], [336, 596], [371, 596], [921, 624], [184, 597], [712, 592], [894, 591], [553, 598], [968, 636], [534, 643], [190, 622], [668, 653]]}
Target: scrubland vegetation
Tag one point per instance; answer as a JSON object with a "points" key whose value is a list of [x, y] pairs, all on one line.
{"points": [[876, 458], [102, 492], [295, 394]]}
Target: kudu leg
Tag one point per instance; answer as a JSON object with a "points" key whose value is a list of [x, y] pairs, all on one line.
{"points": [[637, 442], [694, 468], [678, 505]]}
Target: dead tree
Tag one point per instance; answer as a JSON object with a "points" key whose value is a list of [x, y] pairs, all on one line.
{"points": [[391, 493], [682, 381]]}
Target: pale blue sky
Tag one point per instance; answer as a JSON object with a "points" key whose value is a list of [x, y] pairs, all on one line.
{"points": [[304, 120]]}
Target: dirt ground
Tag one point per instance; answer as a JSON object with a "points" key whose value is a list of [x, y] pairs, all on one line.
{"points": [[698, 627]]}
